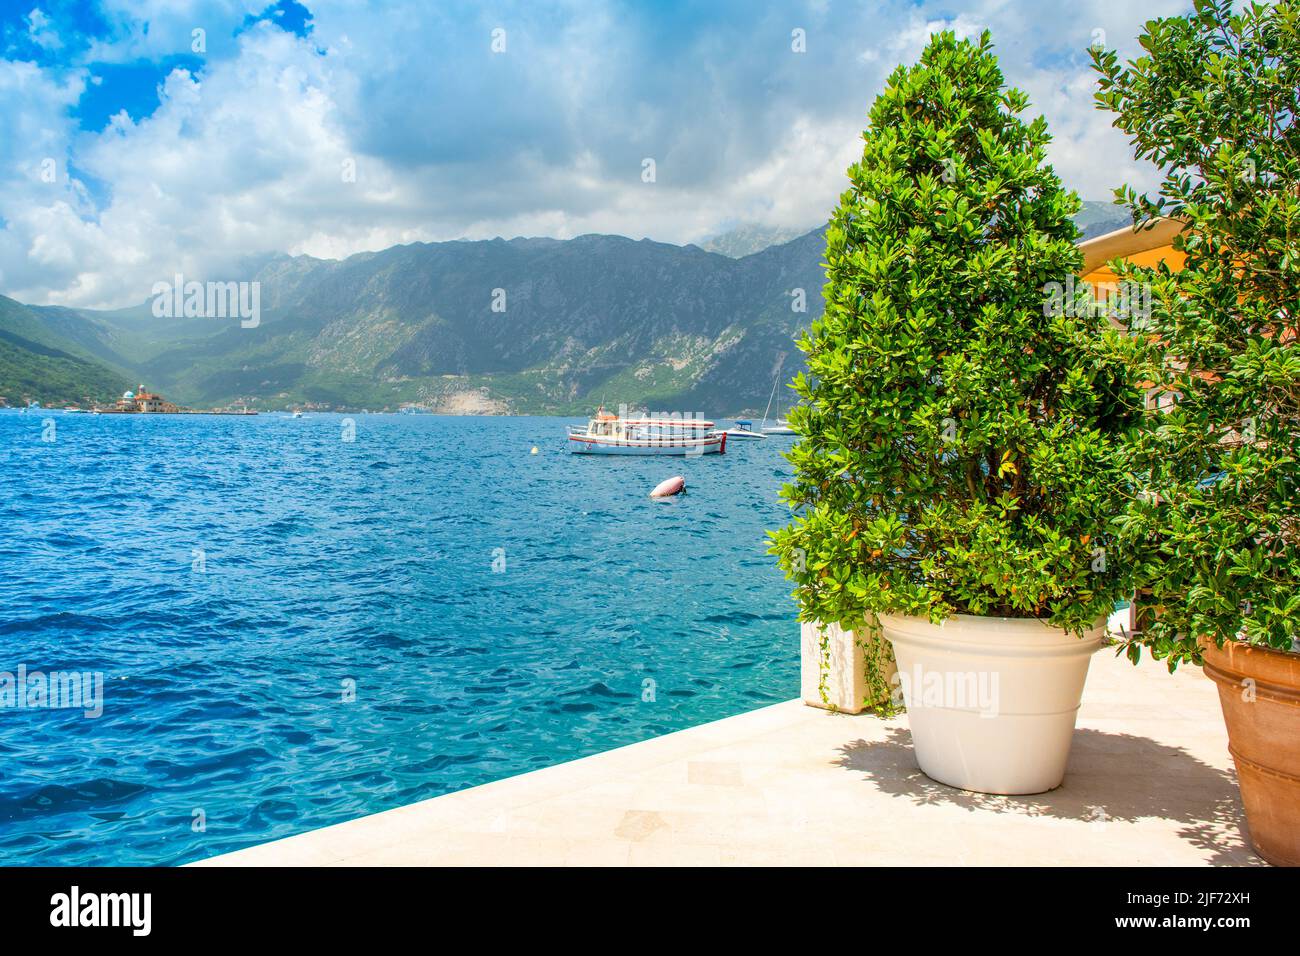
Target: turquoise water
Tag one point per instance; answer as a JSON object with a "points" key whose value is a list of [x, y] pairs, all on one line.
{"points": [[234, 578]]}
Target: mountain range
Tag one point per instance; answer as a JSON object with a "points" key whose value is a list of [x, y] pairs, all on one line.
{"points": [[749, 238], [496, 326]]}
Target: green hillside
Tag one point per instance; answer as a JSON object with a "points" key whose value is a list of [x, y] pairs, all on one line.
{"points": [[37, 364]]}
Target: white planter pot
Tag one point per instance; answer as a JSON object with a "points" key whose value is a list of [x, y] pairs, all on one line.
{"points": [[991, 701]]}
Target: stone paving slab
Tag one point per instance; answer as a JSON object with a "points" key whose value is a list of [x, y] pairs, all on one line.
{"points": [[1150, 782]]}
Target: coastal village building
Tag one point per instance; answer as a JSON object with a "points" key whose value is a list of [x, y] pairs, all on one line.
{"points": [[142, 401], [1147, 248]]}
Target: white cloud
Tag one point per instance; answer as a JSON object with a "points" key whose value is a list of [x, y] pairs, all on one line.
{"points": [[449, 140], [41, 30], [156, 29]]}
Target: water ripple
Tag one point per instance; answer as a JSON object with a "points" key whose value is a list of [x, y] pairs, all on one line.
{"points": [[295, 631]]}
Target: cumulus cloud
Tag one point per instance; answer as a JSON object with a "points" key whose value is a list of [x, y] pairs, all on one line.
{"points": [[399, 122], [41, 30]]}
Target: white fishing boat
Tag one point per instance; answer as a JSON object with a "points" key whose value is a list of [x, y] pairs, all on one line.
{"points": [[608, 434], [744, 428]]}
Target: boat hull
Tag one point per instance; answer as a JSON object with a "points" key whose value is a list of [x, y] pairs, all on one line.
{"points": [[712, 445]]}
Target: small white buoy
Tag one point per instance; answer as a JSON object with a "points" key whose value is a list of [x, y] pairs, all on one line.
{"points": [[669, 487], [534, 451]]}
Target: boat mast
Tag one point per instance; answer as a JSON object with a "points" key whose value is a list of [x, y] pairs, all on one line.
{"points": [[775, 381]]}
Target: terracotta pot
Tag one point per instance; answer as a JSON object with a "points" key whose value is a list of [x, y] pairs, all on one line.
{"points": [[1259, 690]]}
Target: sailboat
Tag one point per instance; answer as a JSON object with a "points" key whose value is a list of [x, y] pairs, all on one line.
{"points": [[781, 427]]}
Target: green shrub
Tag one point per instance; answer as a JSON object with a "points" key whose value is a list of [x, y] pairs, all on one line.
{"points": [[1213, 103], [959, 425]]}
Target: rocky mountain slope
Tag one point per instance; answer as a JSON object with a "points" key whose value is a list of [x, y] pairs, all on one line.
{"points": [[525, 325], [504, 326], [748, 238]]}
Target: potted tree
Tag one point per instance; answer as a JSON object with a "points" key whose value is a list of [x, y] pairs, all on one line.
{"points": [[1213, 103], [957, 473]]}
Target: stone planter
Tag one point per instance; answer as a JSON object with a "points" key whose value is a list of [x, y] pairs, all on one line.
{"points": [[842, 662]]}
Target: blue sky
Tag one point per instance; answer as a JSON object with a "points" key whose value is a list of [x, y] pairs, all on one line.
{"points": [[73, 35], [139, 138]]}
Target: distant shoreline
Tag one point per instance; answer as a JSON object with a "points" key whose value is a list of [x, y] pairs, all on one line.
{"points": [[273, 412]]}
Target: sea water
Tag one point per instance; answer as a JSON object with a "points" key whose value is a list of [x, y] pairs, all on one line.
{"points": [[301, 621]]}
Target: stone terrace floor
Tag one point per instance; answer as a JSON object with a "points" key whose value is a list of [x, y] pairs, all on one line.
{"points": [[1150, 782]]}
